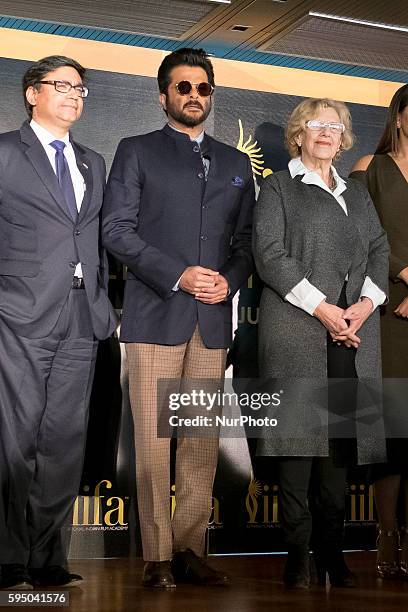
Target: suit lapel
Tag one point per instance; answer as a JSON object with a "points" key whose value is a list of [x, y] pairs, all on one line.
{"points": [[85, 168], [38, 158], [354, 212], [357, 226]]}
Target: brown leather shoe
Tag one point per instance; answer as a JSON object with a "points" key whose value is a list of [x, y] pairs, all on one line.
{"points": [[158, 574], [187, 567]]}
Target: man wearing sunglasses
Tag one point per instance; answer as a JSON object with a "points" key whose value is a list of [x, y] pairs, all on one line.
{"points": [[178, 213], [53, 306]]}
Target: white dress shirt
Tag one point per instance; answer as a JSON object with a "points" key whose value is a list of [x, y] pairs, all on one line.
{"points": [[305, 295], [45, 137]]}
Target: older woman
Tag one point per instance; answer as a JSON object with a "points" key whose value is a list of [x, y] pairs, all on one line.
{"points": [[323, 255], [386, 177]]}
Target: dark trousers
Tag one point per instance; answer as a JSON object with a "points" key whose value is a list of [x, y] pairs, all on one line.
{"points": [[45, 385], [312, 490], [312, 498]]}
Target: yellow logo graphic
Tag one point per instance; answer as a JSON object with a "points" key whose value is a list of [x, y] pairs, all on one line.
{"points": [[254, 153], [261, 504], [361, 503], [98, 512], [214, 521]]}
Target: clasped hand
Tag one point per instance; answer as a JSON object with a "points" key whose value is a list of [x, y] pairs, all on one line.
{"points": [[208, 286], [402, 309], [343, 324]]}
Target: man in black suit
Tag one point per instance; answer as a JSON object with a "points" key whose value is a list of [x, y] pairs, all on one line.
{"points": [[178, 212], [53, 306]]}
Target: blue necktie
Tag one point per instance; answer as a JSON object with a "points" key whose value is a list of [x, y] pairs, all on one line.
{"points": [[64, 178]]}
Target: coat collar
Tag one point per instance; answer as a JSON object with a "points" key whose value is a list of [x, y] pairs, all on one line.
{"points": [[309, 177], [38, 157], [176, 134], [181, 136], [199, 139]]}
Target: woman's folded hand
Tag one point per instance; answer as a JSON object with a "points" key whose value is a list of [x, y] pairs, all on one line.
{"points": [[355, 315]]}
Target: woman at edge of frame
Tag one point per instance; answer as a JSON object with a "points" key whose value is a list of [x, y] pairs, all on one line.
{"points": [[323, 256], [385, 174]]}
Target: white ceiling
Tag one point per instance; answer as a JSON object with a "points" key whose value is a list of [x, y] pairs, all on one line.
{"points": [[274, 26]]}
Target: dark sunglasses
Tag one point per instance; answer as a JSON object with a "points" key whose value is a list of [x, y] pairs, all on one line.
{"points": [[203, 89]]}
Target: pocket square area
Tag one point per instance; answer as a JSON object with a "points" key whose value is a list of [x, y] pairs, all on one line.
{"points": [[237, 181]]}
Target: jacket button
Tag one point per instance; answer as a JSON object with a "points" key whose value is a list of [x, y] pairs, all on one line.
{"points": [[200, 175], [77, 232], [196, 149], [204, 237], [205, 207], [72, 264]]}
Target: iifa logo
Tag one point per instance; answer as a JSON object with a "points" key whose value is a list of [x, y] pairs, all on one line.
{"points": [[361, 508], [214, 521], [261, 504], [96, 510]]}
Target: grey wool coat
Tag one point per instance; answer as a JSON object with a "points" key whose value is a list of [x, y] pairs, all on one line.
{"points": [[300, 231]]}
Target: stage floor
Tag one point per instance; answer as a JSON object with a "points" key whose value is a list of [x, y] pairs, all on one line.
{"points": [[113, 585]]}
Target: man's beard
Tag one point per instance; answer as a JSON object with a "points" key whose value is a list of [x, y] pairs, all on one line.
{"points": [[189, 120]]}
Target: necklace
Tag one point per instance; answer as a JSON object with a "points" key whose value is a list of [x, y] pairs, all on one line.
{"points": [[333, 182]]}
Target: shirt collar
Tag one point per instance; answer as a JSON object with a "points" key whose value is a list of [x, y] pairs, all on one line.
{"points": [[296, 168], [198, 139], [44, 136]]}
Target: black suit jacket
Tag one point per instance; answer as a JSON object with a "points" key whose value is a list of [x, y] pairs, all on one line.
{"points": [[40, 244], [160, 216]]}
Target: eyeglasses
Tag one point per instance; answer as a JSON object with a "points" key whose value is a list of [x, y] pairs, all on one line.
{"points": [[203, 89], [316, 126], [65, 87]]}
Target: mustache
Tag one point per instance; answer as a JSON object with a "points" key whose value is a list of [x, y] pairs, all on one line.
{"points": [[195, 104]]}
